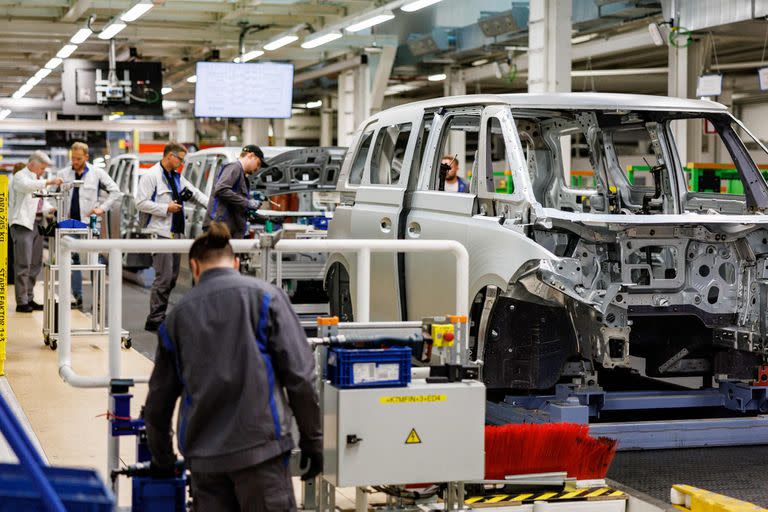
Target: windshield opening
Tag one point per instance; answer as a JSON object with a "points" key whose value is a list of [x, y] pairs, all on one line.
{"points": [[628, 163], [723, 177]]}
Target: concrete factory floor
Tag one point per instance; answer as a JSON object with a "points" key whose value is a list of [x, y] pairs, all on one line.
{"points": [[69, 426]]}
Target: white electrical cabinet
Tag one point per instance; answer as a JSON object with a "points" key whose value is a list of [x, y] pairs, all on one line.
{"points": [[417, 434]]}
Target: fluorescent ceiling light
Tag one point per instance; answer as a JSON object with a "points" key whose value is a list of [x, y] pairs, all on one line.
{"points": [[53, 63], [114, 116], [33, 81], [190, 101], [370, 22], [280, 42], [4, 113], [18, 94], [112, 30], [137, 11], [418, 4], [66, 51], [236, 59], [321, 40], [437, 78], [253, 54], [583, 38], [192, 79], [81, 35], [480, 62], [314, 104], [42, 73], [166, 90]]}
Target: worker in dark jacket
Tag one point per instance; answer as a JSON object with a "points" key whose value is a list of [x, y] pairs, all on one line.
{"points": [[230, 199], [234, 350]]}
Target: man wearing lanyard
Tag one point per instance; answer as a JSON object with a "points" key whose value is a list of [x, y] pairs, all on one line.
{"points": [[83, 201], [160, 197], [26, 216]]}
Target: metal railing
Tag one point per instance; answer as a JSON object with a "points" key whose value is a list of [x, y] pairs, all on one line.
{"points": [[116, 248]]}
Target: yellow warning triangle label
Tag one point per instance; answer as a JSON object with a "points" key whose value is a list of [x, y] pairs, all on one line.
{"points": [[413, 437]]}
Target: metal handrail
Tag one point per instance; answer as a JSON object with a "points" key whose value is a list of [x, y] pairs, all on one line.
{"points": [[116, 248]]}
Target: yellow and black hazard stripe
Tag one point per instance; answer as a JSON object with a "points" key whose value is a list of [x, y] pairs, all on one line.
{"points": [[592, 493]]}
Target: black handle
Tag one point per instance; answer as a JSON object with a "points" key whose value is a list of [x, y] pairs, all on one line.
{"points": [[353, 439]]}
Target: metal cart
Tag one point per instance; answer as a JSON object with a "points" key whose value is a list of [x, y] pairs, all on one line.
{"points": [[51, 279]]}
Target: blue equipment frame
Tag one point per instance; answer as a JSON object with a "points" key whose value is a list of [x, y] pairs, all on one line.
{"points": [[572, 403]]}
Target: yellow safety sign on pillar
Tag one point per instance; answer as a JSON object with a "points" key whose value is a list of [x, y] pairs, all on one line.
{"points": [[693, 499], [3, 269]]}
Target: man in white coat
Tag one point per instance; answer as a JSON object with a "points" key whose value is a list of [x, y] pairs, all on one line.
{"points": [[26, 216], [160, 199], [84, 201]]}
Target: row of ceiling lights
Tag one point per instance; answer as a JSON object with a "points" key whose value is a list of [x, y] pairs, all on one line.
{"points": [[141, 7], [136, 11], [360, 23]]}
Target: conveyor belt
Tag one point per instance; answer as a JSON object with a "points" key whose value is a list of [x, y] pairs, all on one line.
{"points": [[738, 472]]}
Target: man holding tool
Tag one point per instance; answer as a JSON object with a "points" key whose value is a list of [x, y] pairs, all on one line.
{"points": [[160, 199], [230, 200], [449, 175]]}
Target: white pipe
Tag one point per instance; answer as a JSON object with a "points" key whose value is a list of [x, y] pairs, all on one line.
{"points": [[364, 248], [363, 300], [458, 250], [115, 305], [163, 245]]}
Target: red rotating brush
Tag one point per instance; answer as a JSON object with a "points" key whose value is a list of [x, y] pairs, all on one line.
{"points": [[530, 448]]}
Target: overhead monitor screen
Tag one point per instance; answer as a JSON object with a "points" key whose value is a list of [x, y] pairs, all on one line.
{"points": [[229, 89]]}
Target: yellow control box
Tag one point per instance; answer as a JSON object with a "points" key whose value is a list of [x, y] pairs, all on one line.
{"points": [[443, 335]]}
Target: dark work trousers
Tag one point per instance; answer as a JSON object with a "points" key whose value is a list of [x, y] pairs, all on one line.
{"points": [[28, 262], [265, 487], [77, 277], [166, 272], [9, 271]]}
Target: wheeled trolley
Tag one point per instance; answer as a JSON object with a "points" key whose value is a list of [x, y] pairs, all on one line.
{"points": [[51, 279]]}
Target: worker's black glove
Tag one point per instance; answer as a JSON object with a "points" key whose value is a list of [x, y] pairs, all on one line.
{"points": [[313, 462], [158, 471]]}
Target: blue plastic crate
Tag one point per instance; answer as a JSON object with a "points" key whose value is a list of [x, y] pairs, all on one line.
{"points": [[80, 490], [369, 368], [320, 223], [158, 495]]}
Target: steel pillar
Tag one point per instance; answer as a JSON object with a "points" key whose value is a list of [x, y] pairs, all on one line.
{"points": [[456, 85], [549, 46], [185, 131], [361, 92], [549, 54], [326, 122], [353, 104], [278, 128], [256, 131]]}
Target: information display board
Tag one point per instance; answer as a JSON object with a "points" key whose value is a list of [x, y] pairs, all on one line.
{"points": [[248, 90]]}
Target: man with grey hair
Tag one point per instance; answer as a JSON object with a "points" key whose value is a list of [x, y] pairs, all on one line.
{"points": [[26, 215]]}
